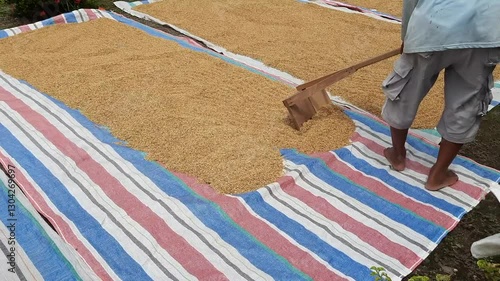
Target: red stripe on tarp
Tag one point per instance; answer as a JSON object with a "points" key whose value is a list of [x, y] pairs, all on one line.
{"points": [[90, 14], [24, 28], [59, 19]]}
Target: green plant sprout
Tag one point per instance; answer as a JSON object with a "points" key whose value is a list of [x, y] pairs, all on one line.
{"points": [[443, 277], [379, 274], [491, 270]]}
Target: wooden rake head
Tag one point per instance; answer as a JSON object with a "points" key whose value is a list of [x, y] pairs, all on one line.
{"points": [[312, 96], [300, 109]]}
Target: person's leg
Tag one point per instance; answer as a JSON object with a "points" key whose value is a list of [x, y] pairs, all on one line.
{"points": [[467, 85], [439, 175], [405, 90], [396, 155]]}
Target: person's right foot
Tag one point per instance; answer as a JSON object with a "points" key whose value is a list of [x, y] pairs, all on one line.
{"points": [[438, 180], [397, 161]]}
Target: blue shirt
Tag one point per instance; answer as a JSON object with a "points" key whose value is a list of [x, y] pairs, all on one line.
{"points": [[437, 25]]}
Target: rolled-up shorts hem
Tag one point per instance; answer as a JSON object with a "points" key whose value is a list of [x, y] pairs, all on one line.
{"points": [[458, 139], [393, 123]]}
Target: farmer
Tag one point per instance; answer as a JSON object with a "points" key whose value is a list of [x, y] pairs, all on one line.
{"points": [[463, 38]]}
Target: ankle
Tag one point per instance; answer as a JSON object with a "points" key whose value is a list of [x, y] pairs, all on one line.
{"points": [[437, 169], [400, 153]]}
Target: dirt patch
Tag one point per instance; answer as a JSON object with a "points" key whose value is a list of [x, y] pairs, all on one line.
{"points": [[194, 113], [305, 40]]}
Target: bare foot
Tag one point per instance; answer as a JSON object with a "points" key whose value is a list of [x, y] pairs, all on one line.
{"points": [[436, 181], [397, 161]]}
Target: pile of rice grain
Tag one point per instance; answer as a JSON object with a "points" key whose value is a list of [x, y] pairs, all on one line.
{"points": [[305, 40], [192, 112]]}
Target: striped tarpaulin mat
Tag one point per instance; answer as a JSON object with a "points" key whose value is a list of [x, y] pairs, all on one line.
{"points": [[331, 217]]}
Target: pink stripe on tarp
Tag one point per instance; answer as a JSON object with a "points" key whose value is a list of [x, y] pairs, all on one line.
{"points": [[60, 19], [369, 235], [299, 258], [24, 28], [166, 237], [90, 14], [61, 226], [468, 189], [382, 190]]}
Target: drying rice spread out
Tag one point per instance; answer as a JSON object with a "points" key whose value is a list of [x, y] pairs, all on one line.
{"points": [[194, 113]]}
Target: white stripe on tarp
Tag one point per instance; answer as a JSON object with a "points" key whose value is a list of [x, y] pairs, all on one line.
{"points": [[38, 24], [290, 239], [95, 211], [84, 15], [406, 232], [32, 26], [358, 245], [185, 215], [9, 32], [78, 16]]}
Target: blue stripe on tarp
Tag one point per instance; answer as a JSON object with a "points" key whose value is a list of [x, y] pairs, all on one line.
{"points": [[334, 257], [3, 34], [49, 21], [495, 103], [208, 212], [116, 257], [393, 211], [36, 243], [482, 171], [409, 190], [70, 17]]}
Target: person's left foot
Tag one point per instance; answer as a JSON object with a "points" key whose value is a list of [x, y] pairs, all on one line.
{"points": [[397, 161], [437, 180]]}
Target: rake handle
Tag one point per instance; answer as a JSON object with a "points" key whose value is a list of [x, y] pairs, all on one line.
{"points": [[329, 79]]}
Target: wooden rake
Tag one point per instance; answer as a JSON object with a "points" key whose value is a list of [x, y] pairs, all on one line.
{"points": [[311, 96]]}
